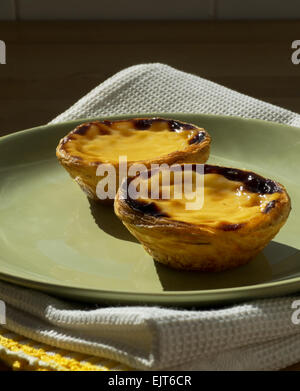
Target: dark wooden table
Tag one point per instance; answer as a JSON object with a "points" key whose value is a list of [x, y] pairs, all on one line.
{"points": [[50, 65]]}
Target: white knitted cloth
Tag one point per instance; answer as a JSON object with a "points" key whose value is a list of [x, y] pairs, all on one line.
{"points": [[258, 335]]}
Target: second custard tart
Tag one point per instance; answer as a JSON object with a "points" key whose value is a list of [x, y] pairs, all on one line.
{"points": [[241, 212], [142, 140]]}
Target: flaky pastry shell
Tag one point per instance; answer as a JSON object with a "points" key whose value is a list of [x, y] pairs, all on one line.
{"points": [[233, 231], [166, 141]]}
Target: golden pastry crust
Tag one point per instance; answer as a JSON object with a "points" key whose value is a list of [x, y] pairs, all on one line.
{"points": [[218, 241], [145, 140]]}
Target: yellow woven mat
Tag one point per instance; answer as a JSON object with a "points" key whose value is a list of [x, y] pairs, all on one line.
{"points": [[20, 353]]}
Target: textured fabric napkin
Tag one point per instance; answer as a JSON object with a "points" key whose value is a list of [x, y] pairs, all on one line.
{"points": [[258, 335]]}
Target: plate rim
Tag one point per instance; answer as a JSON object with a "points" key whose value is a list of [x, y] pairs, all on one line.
{"points": [[129, 295], [133, 115]]}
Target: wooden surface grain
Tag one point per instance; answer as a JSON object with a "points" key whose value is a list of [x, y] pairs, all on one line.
{"points": [[50, 65]]}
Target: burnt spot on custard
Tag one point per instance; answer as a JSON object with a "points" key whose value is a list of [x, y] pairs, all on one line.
{"points": [[146, 123], [104, 132], [230, 227], [270, 205], [82, 129], [147, 208], [198, 138], [142, 206], [143, 124], [177, 125], [251, 181], [107, 123]]}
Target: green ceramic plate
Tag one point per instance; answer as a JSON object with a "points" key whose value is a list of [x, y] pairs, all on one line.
{"points": [[53, 239]]}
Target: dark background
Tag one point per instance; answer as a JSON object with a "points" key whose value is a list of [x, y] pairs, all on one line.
{"points": [[53, 59]]}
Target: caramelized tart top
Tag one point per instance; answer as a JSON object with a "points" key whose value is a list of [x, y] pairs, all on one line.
{"points": [[232, 197], [138, 139]]}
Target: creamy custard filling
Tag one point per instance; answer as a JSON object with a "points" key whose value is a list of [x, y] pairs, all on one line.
{"points": [[225, 202], [120, 139]]}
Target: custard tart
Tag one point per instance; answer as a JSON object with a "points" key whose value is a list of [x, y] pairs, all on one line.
{"points": [[240, 213], [143, 141]]}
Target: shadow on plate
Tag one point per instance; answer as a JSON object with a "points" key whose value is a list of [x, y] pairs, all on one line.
{"points": [[276, 262], [108, 222]]}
